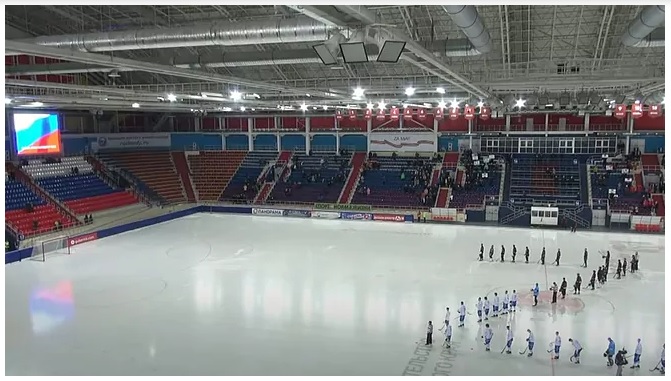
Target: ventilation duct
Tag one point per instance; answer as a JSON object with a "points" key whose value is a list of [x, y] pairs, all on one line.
{"points": [[273, 31], [650, 18], [469, 21]]}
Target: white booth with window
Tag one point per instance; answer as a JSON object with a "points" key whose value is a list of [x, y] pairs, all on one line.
{"points": [[544, 215]]}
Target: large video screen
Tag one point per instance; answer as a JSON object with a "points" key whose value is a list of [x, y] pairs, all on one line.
{"points": [[37, 134]]}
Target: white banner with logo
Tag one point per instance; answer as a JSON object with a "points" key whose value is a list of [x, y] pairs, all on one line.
{"points": [[130, 141], [267, 212], [400, 142], [327, 215]]}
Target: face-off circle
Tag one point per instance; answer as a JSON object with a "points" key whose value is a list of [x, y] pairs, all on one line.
{"points": [[572, 304]]}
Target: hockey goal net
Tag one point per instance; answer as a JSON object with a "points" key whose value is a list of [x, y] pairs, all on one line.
{"points": [[55, 245]]}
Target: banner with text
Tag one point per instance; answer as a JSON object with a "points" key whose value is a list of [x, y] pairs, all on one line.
{"points": [[354, 207], [398, 142], [389, 217], [297, 213], [356, 216], [267, 212], [130, 141], [78, 240], [326, 215]]}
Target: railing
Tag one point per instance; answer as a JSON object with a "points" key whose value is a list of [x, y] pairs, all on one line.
{"points": [[235, 147], [323, 149], [502, 185], [607, 127], [573, 216], [310, 205], [266, 148]]}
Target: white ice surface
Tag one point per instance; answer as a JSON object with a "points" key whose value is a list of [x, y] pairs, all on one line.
{"points": [[243, 295]]}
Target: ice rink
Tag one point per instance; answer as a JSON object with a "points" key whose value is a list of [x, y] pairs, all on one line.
{"points": [[242, 295]]}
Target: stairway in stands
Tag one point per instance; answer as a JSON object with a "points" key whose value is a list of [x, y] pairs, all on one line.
{"points": [[30, 183], [443, 198], [660, 201], [153, 168], [182, 167], [358, 159], [267, 187], [212, 170]]}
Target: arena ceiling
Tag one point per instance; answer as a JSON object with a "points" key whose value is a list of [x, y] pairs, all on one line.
{"points": [[568, 56]]}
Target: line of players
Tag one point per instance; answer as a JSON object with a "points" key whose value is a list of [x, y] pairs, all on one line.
{"points": [[621, 265], [514, 254], [488, 335], [483, 307]]}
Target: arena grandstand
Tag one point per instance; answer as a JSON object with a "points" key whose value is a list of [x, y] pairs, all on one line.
{"points": [[452, 116]]}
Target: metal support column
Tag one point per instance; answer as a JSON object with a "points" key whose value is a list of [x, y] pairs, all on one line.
{"points": [[250, 137], [369, 128], [586, 122], [308, 141]]}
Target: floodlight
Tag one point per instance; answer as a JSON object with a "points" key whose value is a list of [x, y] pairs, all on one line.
{"points": [[409, 91]]}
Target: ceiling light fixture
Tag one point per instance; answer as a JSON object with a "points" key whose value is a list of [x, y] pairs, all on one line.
{"points": [[520, 103], [370, 106], [454, 103], [135, 105], [235, 95], [8, 101], [172, 97], [358, 93], [381, 105], [442, 104], [304, 107], [481, 104], [242, 108], [440, 90], [325, 107], [409, 91]]}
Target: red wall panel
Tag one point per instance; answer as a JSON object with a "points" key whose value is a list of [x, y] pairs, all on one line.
{"points": [[235, 124], [415, 122], [570, 118], [264, 123], [356, 124], [606, 123], [646, 123], [292, 122], [449, 125], [322, 123], [385, 123], [491, 124], [210, 123]]}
